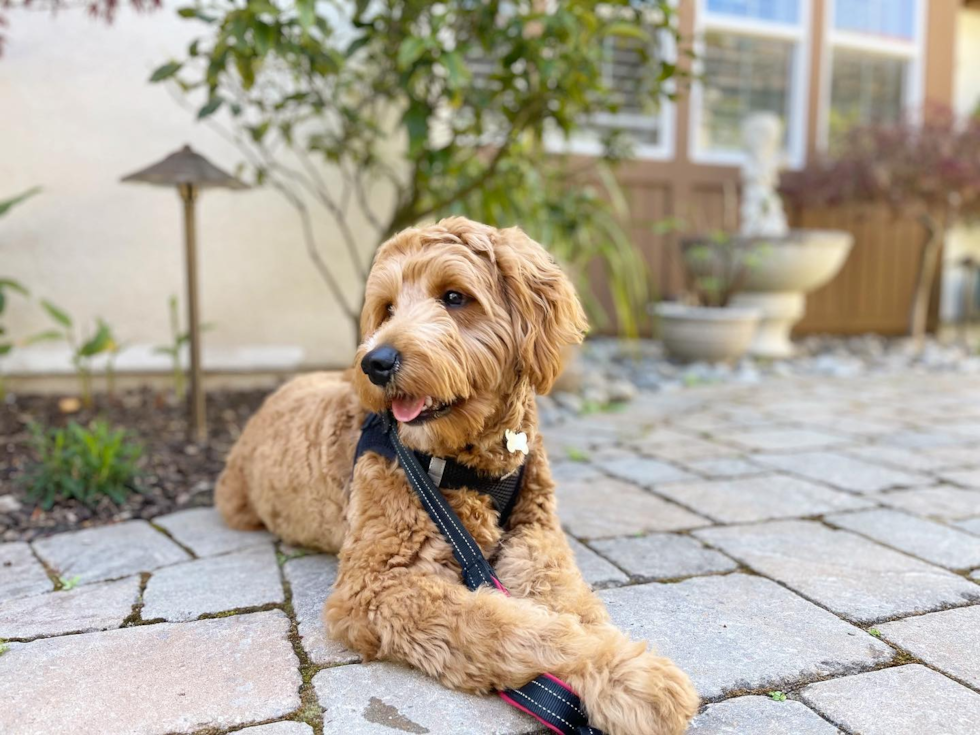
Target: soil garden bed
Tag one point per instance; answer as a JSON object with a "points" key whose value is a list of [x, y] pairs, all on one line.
{"points": [[176, 472]]}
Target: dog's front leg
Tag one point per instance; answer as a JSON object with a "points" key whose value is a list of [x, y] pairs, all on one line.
{"points": [[483, 641], [538, 564], [536, 561]]}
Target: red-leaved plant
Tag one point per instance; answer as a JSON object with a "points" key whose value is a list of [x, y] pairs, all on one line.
{"points": [[929, 170]]}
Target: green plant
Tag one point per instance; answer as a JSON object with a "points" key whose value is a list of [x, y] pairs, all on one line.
{"points": [[3, 646], [576, 455], [7, 285], [777, 696], [179, 339], [421, 109], [875, 632], [82, 349], [68, 583], [83, 464]]}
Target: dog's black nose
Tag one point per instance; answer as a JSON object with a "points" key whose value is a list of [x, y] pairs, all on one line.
{"points": [[380, 364]]}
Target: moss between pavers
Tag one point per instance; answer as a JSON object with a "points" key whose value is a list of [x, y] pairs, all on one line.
{"points": [[309, 710]]}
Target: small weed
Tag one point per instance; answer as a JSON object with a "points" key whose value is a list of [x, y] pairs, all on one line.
{"points": [[68, 583], [875, 632], [691, 380], [3, 647], [777, 696], [84, 464], [577, 455]]}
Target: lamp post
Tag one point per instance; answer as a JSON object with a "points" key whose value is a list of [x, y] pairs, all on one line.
{"points": [[190, 172]]}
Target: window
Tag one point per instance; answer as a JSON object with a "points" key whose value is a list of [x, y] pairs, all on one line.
{"points": [[752, 59], [644, 118], [875, 53]]}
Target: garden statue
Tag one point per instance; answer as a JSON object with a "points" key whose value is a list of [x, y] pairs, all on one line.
{"points": [[786, 264], [762, 209]]}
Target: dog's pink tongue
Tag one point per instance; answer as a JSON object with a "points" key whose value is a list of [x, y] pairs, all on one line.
{"points": [[407, 409]]}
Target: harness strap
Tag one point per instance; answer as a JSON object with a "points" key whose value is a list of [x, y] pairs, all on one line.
{"points": [[546, 698], [446, 474]]}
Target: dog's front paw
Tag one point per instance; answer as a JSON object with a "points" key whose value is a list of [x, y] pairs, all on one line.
{"points": [[639, 693]]}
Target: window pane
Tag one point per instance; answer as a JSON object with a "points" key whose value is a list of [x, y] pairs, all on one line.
{"points": [[631, 76], [865, 89], [778, 11], [890, 18], [742, 75]]}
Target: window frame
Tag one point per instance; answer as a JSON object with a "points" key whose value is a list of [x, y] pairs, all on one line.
{"points": [[587, 140], [798, 85], [912, 52]]}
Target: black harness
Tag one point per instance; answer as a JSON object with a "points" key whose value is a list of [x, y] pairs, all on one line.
{"points": [[546, 698], [446, 474]]}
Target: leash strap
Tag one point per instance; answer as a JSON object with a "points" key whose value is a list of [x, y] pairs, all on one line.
{"points": [[546, 698]]}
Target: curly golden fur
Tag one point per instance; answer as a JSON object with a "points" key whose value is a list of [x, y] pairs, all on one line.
{"points": [[398, 594]]}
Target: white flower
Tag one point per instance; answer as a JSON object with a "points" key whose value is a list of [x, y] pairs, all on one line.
{"points": [[516, 441]]}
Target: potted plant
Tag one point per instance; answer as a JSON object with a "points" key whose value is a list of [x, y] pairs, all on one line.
{"points": [[704, 326]]}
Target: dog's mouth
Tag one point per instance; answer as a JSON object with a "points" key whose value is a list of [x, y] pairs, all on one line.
{"points": [[415, 410]]}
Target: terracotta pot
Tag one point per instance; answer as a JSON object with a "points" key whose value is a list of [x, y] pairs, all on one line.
{"points": [[706, 333]]}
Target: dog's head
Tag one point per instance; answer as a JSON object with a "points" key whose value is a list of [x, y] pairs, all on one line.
{"points": [[459, 318]]}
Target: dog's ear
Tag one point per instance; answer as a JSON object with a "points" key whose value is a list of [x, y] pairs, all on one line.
{"points": [[545, 309]]}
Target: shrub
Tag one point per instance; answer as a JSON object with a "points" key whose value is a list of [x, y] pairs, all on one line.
{"points": [[928, 169], [83, 464], [425, 109]]}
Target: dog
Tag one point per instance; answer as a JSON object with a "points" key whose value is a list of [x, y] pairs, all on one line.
{"points": [[464, 324]]}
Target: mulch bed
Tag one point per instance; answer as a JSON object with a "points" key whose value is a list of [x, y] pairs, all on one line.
{"points": [[177, 472]]}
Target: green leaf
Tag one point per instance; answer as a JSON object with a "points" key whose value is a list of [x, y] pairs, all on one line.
{"points": [[455, 68], [410, 51], [5, 348], [626, 30], [50, 335], [7, 204], [357, 44], [13, 286], [210, 108], [258, 131], [166, 71], [265, 38], [57, 314], [416, 121], [101, 342], [305, 10]]}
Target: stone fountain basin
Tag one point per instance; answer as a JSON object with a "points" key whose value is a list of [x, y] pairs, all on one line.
{"points": [[803, 260]]}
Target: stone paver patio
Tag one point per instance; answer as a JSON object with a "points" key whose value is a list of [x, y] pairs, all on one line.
{"points": [[819, 538]]}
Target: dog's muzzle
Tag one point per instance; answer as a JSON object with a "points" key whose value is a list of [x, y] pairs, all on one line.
{"points": [[380, 364]]}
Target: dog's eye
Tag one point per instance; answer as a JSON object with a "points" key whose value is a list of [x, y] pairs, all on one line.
{"points": [[454, 299]]}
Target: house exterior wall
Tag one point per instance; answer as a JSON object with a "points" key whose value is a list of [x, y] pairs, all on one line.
{"points": [[873, 291], [76, 114]]}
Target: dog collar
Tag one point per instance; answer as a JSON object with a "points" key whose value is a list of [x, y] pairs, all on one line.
{"points": [[445, 473]]}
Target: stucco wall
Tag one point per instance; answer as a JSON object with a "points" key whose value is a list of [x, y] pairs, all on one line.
{"points": [[77, 113]]}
